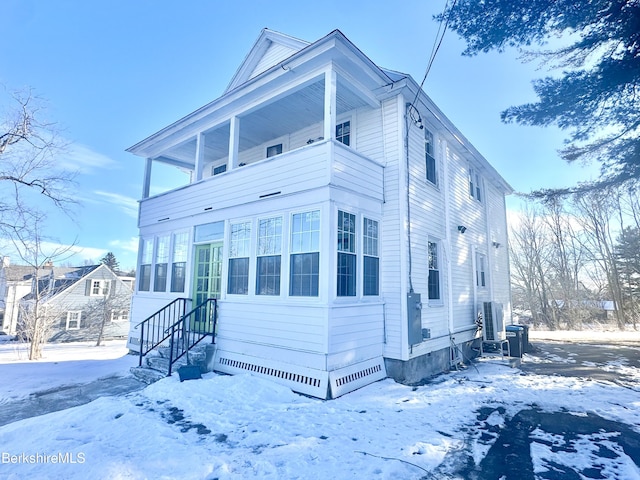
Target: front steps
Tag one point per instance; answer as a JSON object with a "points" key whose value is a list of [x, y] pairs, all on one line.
{"points": [[155, 365]]}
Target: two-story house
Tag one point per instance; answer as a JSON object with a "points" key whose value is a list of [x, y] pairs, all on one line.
{"points": [[348, 230]]}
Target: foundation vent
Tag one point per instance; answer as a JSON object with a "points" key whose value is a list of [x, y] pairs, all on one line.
{"points": [[351, 378], [299, 379], [272, 372]]}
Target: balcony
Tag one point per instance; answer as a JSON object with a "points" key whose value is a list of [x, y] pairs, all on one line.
{"points": [[319, 164]]}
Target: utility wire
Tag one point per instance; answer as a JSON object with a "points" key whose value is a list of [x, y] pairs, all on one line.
{"points": [[436, 44]]}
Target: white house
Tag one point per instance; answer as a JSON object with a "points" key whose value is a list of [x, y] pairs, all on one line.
{"points": [[346, 227]]}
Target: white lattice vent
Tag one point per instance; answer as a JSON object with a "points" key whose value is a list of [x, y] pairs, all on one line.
{"points": [[351, 378], [299, 379], [273, 372]]}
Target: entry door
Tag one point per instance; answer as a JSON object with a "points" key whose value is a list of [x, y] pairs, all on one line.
{"points": [[208, 277]]}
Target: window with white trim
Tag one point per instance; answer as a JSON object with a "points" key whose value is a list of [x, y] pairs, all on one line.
{"points": [[481, 268], [99, 288], [161, 264], [74, 318], [304, 268], [433, 287], [179, 261], [371, 260], [119, 316], [268, 262], [430, 159], [146, 257], [343, 132], [475, 184], [346, 271], [239, 244]]}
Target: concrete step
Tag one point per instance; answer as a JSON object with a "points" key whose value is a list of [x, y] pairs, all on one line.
{"points": [[147, 375]]}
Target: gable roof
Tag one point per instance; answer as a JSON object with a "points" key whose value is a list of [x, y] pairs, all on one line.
{"points": [[269, 49]]}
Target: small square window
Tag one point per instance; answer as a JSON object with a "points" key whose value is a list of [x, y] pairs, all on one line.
{"points": [[219, 169], [274, 150]]}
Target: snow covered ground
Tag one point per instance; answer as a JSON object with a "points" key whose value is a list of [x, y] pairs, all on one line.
{"points": [[242, 427]]}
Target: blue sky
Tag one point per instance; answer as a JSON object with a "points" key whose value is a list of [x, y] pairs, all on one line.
{"points": [[113, 72]]}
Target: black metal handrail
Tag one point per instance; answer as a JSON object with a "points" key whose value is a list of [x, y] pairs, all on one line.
{"points": [[153, 330], [191, 329]]}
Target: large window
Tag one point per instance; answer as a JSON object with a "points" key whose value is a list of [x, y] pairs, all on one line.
{"points": [[430, 158], [346, 254], [179, 261], [161, 264], [268, 261], [371, 260], [305, 254], [144, 282], [343, 132], [239, 244], [433, 287]]}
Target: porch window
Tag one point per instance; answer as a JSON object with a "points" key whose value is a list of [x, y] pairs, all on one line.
{"points": [[343, 132], [179, 259], [274, 150], [430, 158], [144, 283], [269, 261], [481, 277], [433, 287], [346, 254], [161, 264], [239, 258], [305, 254], [73, 320], [371, 260]]}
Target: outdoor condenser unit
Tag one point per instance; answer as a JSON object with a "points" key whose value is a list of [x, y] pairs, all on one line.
{"points": [[493, 329]]}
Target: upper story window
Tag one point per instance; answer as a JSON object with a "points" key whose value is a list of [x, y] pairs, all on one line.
{"points": [[430, 159], [343, 132], [475, 184], [274, 150], [99, 288], [346, 254], [304, 268], [219, 169]]}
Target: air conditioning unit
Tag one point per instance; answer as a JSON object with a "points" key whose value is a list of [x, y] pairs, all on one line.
{"points": [[493, 329]]}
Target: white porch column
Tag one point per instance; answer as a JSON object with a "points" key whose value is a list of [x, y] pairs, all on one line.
{"points": [[146, 182], [234, 140], [330, 103], [199, 164]]}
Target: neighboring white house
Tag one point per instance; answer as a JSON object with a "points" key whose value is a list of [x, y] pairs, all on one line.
{"points": [[15, 283], [348, 229]]}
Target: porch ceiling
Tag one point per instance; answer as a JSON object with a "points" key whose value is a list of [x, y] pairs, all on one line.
{"points": [[288, 114]]}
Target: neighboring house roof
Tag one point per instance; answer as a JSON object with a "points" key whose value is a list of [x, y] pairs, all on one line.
{"points": [[57, 279], [17, 273]]}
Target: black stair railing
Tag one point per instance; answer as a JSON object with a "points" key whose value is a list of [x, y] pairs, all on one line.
{"points": [[153, 330], [191, 329]]}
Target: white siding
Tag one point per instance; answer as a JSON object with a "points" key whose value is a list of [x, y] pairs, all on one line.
{"points": [[274, 54]]}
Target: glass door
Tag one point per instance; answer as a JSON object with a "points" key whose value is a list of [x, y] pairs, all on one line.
{"points": [[207, 281]]}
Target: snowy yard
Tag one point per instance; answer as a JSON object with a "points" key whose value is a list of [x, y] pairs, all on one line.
{"points": [[243, 427]]}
